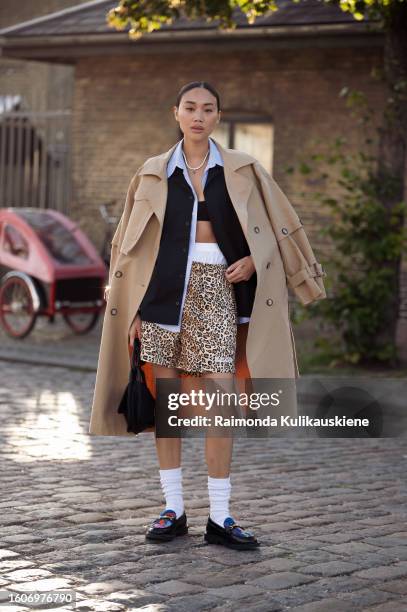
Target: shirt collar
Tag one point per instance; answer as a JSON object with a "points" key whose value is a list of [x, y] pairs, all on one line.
{"points": [[177, 159]]}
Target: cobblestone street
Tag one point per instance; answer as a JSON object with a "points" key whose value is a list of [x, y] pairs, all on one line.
{"points": [[330, 514]]}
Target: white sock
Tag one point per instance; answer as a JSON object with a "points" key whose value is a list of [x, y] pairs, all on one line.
{"points": [[219, 495], [171, 483]]}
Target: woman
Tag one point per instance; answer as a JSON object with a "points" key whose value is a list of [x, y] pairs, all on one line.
{"points": [[172, 333], [200, 289]]}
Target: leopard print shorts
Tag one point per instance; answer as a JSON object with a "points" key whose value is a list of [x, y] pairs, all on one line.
{"points": [[206, 341]]}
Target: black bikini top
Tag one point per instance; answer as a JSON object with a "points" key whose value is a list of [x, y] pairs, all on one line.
{"points": [[202, 211]]}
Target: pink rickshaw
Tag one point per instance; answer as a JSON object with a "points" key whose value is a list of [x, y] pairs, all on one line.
{"points": [[48, 266]]}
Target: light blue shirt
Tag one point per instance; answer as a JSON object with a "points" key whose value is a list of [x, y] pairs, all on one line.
{"points": [[177, 159]]}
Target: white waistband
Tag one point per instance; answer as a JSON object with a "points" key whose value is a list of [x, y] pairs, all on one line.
{"points": [[207, 252]]}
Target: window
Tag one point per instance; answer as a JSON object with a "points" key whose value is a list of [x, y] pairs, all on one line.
{"points": [[251, 135], [15, 243]]}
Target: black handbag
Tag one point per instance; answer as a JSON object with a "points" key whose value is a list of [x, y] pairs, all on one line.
{"points": [[137, 403]]}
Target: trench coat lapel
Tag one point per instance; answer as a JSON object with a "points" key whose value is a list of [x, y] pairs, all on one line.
{"points": [[239, 187]]}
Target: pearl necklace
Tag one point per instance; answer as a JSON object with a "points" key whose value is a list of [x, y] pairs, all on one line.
{"points": [[197, 167]]}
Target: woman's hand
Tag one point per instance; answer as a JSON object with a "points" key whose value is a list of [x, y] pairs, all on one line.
{"points": [[135, 329], [240, 270]]}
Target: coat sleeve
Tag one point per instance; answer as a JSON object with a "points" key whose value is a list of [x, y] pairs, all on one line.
{"points": [[122, 225], [304, 274]]}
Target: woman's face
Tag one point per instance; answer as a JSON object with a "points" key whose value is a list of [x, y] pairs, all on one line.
{"points": [[197, 113]]}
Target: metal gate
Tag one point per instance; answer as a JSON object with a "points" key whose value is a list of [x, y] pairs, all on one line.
{"points": [[35, 167]]}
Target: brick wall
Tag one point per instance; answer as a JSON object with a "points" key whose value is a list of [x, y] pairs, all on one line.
{"points": [[122, 113]]}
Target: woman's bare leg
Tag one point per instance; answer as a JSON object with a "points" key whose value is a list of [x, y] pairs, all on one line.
{"points": [[168, 449], [218, 450]]}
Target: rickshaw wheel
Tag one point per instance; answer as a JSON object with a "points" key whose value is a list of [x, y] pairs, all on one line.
{"points": [[17, 314], [81, 322]]}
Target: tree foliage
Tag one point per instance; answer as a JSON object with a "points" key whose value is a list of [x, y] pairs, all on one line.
{"points": [[367, 243], [148, 15]]}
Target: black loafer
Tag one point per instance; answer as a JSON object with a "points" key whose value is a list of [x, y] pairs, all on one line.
{"points": [[167, 526], [230, 535]]}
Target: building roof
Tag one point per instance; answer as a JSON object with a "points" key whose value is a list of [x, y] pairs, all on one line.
{"points": [[86, 23], [90, 18]]}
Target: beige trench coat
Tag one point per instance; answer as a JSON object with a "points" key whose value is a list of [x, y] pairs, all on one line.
{"points": [[282, 257]]}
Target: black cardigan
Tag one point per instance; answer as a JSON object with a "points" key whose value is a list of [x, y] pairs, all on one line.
{"points": [[162, 300]]}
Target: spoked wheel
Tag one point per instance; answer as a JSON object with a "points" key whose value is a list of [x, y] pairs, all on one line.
{"points": [[81, 322], [17, 314]]}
